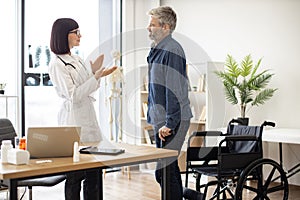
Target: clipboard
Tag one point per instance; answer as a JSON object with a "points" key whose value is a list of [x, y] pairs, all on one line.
{"points": [[101, 151]]}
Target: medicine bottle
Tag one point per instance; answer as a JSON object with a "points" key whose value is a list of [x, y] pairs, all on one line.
{"points": [[6, 145], [75, 152], [22, 143]]}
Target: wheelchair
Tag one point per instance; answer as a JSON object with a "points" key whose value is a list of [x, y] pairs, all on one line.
{"points": [[234, 165]]}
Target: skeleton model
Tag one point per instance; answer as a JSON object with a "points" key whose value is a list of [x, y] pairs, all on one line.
{"points": [[115, 99]]}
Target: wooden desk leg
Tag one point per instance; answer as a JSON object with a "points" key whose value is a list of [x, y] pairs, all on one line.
{"points": [[101, 185], [280, 155], [128, 173], [290, 172], [13, 189], [165, 187], [126, 169]]}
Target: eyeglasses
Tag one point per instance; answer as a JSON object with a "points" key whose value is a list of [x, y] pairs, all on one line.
{"points": [[77, 32]]}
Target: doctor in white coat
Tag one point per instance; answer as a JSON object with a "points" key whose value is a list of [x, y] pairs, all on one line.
{"points": [[75, 84]]}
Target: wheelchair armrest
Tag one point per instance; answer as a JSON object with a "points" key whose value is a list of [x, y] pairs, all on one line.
{"points": [[241, 138], [207, 133]]}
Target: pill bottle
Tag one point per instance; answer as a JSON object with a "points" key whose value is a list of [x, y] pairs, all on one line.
{"points": [[17, 142], [6, 145], [22, 143], [75, 152]]}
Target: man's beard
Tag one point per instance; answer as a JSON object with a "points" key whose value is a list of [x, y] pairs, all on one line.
{"points": [[156, 36]]}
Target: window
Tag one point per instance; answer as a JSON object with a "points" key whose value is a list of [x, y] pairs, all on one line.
{"points": [[9, 54], [98, 21], [41, 100], [8, 40]]}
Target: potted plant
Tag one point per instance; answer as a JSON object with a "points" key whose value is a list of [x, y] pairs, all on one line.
{"points": [[2, 87], [244, 85]]}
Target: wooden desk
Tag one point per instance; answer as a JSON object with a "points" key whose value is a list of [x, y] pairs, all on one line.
{"points": [[283, 135], [133, 155]]}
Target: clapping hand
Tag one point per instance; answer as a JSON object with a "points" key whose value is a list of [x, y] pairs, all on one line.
{"points": [[99, 70], [97, 64], [104, 71]]}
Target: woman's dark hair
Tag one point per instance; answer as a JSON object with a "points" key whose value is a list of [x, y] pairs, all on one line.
{"points": [[59, 35]]}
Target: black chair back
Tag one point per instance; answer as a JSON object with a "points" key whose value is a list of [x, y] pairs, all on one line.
{"points": [[7, 131], [246, 146]]}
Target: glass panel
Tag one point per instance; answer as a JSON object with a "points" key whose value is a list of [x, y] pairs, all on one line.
{"points": [[8, 66], [8, 45], [41, 101], [109, 101]]}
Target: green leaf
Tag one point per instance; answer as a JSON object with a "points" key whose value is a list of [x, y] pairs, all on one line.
{"points": [[232, 68], [245, 95], [255, 68], [246, 66], [263, 96], [261, 81], [230, 94]]}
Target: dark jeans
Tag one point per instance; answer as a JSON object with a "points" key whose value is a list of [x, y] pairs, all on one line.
{"points": [[91, 183], [174, 142]]}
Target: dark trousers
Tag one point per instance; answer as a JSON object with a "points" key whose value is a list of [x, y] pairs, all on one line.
{"points": [[174, 142], [91, 184]]}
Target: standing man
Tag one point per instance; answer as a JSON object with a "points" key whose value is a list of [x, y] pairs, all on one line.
{"points": [[168, 105]]}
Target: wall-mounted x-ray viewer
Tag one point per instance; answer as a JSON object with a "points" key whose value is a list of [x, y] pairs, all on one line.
{"points": [[32, 79], [46, 80], [36, 79]]}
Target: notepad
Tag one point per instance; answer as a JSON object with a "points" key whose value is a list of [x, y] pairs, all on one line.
{"points": [[103, 151]]}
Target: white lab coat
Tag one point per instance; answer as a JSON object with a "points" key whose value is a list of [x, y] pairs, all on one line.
{"points": [[76, 87]]}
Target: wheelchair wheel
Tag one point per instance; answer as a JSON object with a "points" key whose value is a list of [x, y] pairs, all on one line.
{"points": [[262, 179]]}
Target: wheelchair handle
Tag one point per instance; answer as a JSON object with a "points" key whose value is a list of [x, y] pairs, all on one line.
{"points": [[235, 121], [266, 123]]}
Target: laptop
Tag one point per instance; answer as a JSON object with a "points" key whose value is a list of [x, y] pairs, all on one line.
{"points": [[46, 142]]}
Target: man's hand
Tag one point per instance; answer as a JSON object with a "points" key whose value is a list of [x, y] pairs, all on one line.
{"points": [[164, 132], [97, 64]]}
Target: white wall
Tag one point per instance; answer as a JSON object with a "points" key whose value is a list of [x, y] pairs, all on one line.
{"points": [[268, 29]]}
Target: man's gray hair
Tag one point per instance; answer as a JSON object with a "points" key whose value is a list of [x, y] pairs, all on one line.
{"points": [[165, 15]]}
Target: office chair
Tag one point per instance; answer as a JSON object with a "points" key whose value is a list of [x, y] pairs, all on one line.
{"points": [[7, 132]]}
